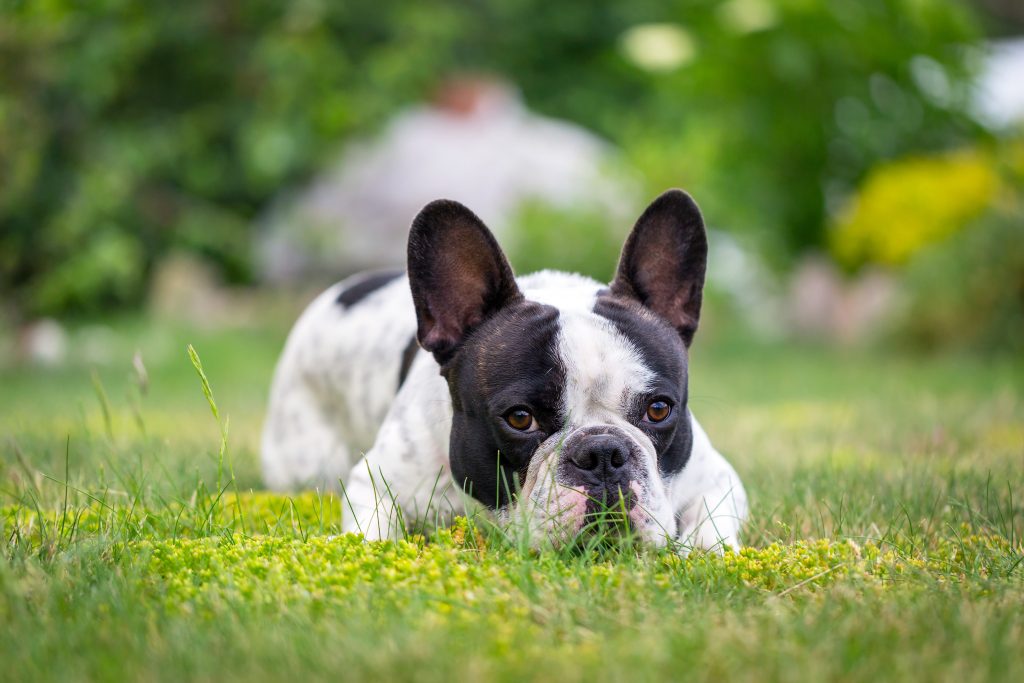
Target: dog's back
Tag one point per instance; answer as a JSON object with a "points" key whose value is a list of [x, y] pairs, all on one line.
{"points": [[341, 367], [344, 362]]}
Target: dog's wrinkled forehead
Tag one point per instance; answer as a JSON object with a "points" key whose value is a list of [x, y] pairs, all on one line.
{"points": [[572, 348], [651, 338], [609, 351], [604, 370]]}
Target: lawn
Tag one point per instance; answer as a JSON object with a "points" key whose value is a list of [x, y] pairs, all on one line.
{"points": [[885, 538]]}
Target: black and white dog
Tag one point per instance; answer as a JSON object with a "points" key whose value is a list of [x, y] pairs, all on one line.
{"points": [[540, 397]]}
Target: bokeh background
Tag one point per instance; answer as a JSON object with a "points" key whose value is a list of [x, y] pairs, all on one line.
{"points": [[859, 164], [193, 172]]}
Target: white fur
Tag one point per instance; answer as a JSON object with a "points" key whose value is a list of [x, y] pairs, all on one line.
{"points": [[333, 399]]}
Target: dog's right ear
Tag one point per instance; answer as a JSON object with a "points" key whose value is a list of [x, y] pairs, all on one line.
{"points": [[663, 262], [458, 275]]}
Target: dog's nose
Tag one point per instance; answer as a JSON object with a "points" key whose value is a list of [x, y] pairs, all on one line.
{"points": [[601, 455]]}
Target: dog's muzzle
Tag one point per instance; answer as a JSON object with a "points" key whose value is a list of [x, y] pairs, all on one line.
{"points": [[602, 462]]}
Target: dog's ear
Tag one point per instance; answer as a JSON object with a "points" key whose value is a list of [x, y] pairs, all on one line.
{"points": [[458, 275], [663, 261]]}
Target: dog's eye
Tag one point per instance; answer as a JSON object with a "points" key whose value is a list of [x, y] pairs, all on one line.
{"points": [[658, 411], [521, 420]]}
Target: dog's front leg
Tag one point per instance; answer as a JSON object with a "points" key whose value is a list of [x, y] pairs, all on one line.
{"points": [[382, 501], [403, 484], [371, 501], [711, 503], [713, 520]]}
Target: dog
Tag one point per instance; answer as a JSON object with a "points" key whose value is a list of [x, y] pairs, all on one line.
{"points": [[545, 398]]}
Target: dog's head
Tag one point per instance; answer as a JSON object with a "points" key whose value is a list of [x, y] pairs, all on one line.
{"points": [[566, 396]]}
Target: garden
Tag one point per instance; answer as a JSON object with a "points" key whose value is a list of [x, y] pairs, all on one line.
{"points": [[859, 357]]}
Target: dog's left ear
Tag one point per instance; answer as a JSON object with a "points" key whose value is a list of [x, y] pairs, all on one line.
{"points": [[663, 261]]}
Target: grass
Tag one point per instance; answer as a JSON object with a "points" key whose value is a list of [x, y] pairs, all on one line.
{"points": [[885, 541]]}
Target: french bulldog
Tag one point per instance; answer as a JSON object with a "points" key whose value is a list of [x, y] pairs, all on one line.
{"points": [[546, 399]]}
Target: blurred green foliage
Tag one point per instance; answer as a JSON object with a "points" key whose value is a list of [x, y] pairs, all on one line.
{"points": [[576, 241], [128, 129], [967, 292]]}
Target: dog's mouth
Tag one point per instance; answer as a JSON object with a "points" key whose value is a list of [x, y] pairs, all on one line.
{"points": [[571, 513], [605, 528], [603, 502], [588, 516]]}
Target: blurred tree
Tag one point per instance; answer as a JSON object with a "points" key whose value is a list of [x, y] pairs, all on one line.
{"points": [[129, 129], [786, 105]]}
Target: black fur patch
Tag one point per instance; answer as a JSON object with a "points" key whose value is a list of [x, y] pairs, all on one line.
{"points": [[510, 361], [350, 296], [408, 356]]}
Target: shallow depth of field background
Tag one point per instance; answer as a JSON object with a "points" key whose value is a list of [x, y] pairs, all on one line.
{"points": [[177, 173]]}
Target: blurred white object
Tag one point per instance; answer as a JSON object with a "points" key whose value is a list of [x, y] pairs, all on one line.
{"points": [[477, 143], [658, 47], [43, 342], [999, 96], [736, 270]]}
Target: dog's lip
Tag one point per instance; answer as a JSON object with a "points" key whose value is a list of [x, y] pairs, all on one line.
{"points": [[622, 500], [634, 512], [583, 505]]}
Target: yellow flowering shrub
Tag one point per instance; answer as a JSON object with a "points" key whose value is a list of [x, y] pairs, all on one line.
{"points": [[205, 574], [466, 574], [907, 204]]}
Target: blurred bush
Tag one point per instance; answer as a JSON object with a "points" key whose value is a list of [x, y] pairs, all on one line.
{"points": [[967, 292], [787, 105], [128, 129], [908, 204], [585, 242], [952, 227]]}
